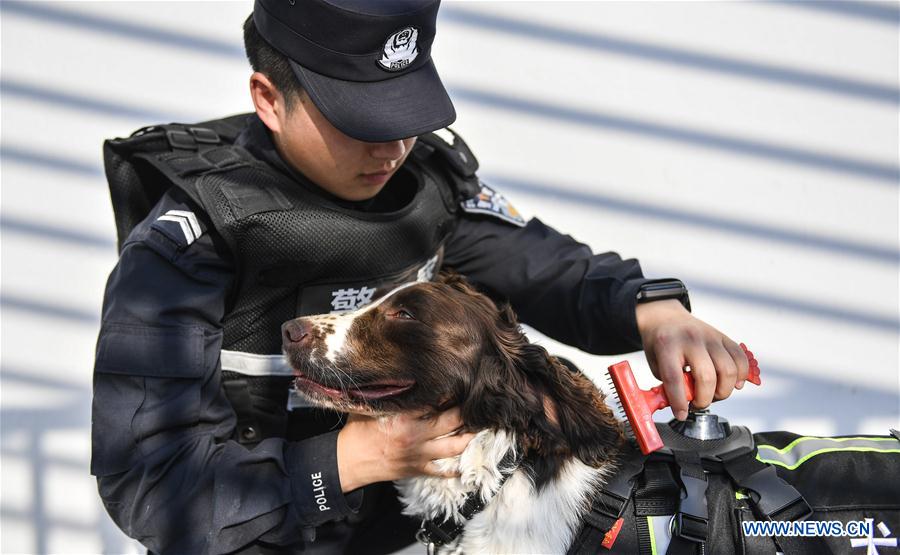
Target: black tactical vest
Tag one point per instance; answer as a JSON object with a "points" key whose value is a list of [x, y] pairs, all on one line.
{"points": [[296, 252]]}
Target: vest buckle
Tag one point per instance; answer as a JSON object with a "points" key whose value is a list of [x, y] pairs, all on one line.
{"points": [[181, 139], [205, 135]]}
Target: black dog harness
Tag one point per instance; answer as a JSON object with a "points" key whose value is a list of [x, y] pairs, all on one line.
{"points": [[697, 493]]}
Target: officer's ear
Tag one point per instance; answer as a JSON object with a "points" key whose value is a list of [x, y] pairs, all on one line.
{"points": [[268, 100]]}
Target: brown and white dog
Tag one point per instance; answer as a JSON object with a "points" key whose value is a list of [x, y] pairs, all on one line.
{"points": [[435, 345]]}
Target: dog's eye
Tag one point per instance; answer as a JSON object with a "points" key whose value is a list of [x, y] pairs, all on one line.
{"points": [[403, 315]]}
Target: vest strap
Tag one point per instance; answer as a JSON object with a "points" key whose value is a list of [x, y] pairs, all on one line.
{"points": [[456, 152], [774, 498], [610, 501], [692, 518], [691, 522], [459, 159], [659, 492], [644, 536], [754, 544], [610, 504]]}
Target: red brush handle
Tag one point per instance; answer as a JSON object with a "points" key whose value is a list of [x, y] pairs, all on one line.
{"points": [[753, 374], [656, 397], [639, 405]]}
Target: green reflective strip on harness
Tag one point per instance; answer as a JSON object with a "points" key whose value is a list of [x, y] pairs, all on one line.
{"points": [[802, 449], [652, 536]]}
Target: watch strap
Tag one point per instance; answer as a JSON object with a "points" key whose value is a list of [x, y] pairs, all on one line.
{"points": [[663, 289]]}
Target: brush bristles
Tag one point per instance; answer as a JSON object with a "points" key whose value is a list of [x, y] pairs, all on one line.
{"points": [[618, 409]]}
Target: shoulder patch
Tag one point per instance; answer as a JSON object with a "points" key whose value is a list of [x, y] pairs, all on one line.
{"points": [[181, 226], [489, 202]]}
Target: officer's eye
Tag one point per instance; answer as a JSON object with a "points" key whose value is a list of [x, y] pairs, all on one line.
{"points": [[403, 314]]}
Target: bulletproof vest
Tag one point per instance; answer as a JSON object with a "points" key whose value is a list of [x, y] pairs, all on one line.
{"points": [[296, 252]]}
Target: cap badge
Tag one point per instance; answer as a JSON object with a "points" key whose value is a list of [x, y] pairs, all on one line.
{"points": [[400, 49]]}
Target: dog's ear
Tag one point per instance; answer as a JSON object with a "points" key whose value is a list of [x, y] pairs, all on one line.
{"points": [[572, 416], [558, 412], [500, 395], [575, 419]]}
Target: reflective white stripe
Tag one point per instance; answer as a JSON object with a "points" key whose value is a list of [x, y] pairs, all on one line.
{"points": [[297, 401], [252, 364], [802, 449], [660, 533], [191, 218]]}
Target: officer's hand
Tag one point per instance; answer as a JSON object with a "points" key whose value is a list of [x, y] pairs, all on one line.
{"points": [[373, 450], [673, 339]]}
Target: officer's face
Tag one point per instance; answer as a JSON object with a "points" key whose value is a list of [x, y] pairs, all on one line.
{"points": [[345, 167]]}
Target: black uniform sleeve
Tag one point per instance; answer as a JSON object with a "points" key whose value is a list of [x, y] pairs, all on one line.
{"points": [[554, 283], [168, 473]]}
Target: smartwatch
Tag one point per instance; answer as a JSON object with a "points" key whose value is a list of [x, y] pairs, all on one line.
{"points": [[662, 289]]}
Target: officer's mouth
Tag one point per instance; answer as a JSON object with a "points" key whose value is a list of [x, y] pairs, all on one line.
{"points": [[355, 392], [377, 178]]}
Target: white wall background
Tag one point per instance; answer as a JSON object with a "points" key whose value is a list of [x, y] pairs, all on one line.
{"points": [[749, 148]]}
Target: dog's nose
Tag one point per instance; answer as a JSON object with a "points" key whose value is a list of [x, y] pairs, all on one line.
{"points": [[295, 331]]}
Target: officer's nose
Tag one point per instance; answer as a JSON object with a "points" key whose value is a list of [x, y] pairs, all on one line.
{"points": [[295, 332], [391, 150]]}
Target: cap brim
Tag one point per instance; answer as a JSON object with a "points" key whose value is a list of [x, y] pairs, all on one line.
{"points": [[378, 111]]}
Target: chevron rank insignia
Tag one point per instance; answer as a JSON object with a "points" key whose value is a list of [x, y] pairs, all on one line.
{"points": [[181, 226], [492, 203]]}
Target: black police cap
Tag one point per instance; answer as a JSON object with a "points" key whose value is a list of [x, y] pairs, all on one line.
{"points": [[366, 64]]}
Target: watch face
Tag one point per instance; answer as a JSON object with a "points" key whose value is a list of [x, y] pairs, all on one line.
{"points": [[662, 290]]}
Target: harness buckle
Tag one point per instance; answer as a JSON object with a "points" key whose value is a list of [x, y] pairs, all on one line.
{"points": [[691, 527], [692, 518], [774, 497], [610, 504], [613, 497], [799, 509], [422, 537]]}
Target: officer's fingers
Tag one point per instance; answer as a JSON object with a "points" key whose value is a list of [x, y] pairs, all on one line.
{"points": [[446, 422], [450, 446], [704, 374], [650, 353], [440, 469], [671, 370], [726, 371], [740, 360]]}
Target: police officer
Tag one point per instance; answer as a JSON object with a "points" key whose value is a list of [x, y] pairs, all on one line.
{"points": [[335, 187]]}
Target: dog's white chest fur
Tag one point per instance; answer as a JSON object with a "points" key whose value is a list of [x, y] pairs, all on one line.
{"points": [[518, 519]]}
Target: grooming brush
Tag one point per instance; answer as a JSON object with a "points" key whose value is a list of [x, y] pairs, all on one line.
{"points": [[639, 405]]}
